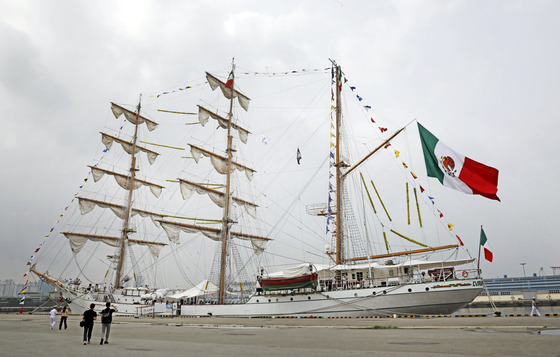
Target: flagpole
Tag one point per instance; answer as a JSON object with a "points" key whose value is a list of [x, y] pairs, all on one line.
{"points": [[478, 260]]}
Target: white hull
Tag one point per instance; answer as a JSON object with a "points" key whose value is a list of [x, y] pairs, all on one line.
{"points": [[79, 301], [433, 298]]}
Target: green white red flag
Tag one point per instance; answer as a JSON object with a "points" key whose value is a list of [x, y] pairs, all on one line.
{"points": [[455, 170], [229, 81], [485, 246]]}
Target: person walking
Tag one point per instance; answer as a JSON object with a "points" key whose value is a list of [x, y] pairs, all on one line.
{"points": [[534, 309], [63, 318], [106, 319], [88, 317], [53, 317]]}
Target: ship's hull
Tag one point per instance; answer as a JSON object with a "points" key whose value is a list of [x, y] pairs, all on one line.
{"points": [[78, 302], [434, 298]]}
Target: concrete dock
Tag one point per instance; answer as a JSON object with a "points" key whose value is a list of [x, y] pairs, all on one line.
{"points": [[211, 336]]}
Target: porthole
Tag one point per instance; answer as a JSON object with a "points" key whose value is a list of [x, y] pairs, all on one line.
{"points": [[409, 290], [427, 289], [276, 300], [373, 293], [269, 300], [355, 294], [384, 291], [328, 297], [257, 300], [309, 298], [291, 299]]}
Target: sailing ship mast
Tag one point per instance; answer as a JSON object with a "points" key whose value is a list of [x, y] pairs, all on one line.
{"points": [[340, 176], [225, 219], [339, 165], [223, 165], [126, 228]]}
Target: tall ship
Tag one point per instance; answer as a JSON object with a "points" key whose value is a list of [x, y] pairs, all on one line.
{"points": [[209, 224]]}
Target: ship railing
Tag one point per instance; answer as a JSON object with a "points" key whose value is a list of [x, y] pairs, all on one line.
{"points": [[396, 280]]}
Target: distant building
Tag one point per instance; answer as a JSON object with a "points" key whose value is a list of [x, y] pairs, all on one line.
{"points": [[11, 289], [519, 289]]}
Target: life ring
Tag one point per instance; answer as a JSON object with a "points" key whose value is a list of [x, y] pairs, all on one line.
{"points": [[465, 274]]}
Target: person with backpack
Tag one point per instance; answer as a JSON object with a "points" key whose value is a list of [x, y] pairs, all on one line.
{"points": [[106, 319], [87, 318]]}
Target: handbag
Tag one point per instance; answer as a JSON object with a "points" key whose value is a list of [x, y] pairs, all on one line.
{"points": [[82, 323]]}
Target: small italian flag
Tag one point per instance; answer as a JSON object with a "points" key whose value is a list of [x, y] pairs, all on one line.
{"points": [[455, 170], [484, 244]]}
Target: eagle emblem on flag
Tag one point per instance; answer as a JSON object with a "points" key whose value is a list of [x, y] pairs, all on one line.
{"points": [[448, 165]]}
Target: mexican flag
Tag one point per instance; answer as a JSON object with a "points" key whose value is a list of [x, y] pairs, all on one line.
{"points": [[455, 170], [484, 244], [229, 82]]}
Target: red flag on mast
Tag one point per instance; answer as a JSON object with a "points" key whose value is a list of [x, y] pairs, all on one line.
{"points": [[229, 82]]}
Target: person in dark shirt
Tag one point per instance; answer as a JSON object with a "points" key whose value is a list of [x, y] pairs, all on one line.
{"points": [[88, 317], [106, 319]]}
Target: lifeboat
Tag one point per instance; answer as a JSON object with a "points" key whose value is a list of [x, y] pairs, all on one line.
{"points": [[300, 277]]}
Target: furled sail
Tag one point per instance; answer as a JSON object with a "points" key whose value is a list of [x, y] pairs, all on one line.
{"points": [[108, 140], [204, 114], [87, 205], [124, 180], [173, 229], [188, 188], [215, 83], [78, 240], [220, 162], [131, 116]]}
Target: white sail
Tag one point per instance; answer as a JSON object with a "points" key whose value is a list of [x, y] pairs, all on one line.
{"points": [[87, 205], [188, 188], [131, 116], [108, 140], [219, 162], [204, 114], [173, 230], [124, 180], [78, 240], [215, 83]]}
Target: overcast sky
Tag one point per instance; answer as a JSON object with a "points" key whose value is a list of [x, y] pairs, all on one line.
{"points": [[482, 76]]}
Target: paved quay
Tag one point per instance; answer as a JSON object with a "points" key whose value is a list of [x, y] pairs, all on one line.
{"points": [[211, 336]]}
